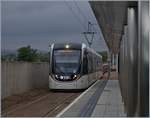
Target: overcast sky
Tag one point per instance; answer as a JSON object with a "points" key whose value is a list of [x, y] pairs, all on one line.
{"points": [[40, 24]]}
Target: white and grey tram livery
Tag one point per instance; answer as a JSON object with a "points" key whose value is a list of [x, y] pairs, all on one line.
{"points": [[73, 66]]}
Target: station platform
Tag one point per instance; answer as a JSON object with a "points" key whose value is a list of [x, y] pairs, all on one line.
{"points": [[102, 99], [110, 102]]}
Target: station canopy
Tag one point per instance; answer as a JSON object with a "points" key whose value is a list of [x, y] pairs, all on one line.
{"points": [[111, 17]]}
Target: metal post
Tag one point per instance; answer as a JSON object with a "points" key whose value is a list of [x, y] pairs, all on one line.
{"points": [[143, 62], [132, 50]]}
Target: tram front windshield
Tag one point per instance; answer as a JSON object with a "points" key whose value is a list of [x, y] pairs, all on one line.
{"points": [[66, 61]]}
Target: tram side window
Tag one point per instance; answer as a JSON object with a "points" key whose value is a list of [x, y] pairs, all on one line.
{"points": [[94, 63], [49, 57], [90, 64], [98, 64], [85, 64]]}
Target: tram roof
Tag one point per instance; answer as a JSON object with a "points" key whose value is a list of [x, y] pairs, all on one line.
{"points": [[67, 45]]}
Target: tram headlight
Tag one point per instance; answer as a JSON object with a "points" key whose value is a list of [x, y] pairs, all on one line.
{"points": [[56, 76], [76, 77], [67, 46], [61, 77]]}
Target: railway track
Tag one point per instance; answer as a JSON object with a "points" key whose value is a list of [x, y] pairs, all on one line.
{"points": [[48, 104]]}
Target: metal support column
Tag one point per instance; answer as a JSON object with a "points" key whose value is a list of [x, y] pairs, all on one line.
{"points": [[132, 51]]}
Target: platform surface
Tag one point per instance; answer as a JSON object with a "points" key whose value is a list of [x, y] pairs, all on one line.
{"points": [[110, 102], [103, 99]]}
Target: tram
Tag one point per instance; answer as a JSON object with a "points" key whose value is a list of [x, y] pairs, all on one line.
{"points": [[73, 66]]}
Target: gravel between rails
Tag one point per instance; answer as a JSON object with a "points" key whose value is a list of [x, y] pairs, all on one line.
{"points": [[46, 103]]}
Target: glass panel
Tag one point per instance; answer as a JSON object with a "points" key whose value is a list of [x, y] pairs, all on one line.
{"points": [[66, 61]]}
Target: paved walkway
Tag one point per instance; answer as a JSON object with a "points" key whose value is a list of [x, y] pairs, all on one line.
{"points": [[110, 102], [102, 99]]}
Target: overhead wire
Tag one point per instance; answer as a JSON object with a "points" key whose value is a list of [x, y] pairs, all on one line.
{"points": [[74, 14], [78, 18], [86, 20], [80, 11], [92, 24], [84, 16]]}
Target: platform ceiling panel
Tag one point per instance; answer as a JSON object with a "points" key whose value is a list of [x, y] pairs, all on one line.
{"points": [[111, 17]]}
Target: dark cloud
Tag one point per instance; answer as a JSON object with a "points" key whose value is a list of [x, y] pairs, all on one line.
{"points": [[42, 23]]}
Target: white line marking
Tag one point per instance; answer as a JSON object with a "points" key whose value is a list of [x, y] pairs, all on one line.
{"points": [[71, 104]]}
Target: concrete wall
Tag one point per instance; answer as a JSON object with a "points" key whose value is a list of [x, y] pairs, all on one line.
{"points": [[18, 77]]}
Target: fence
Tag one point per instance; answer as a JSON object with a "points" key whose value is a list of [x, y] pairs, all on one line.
{"points": [[18, 77]]}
